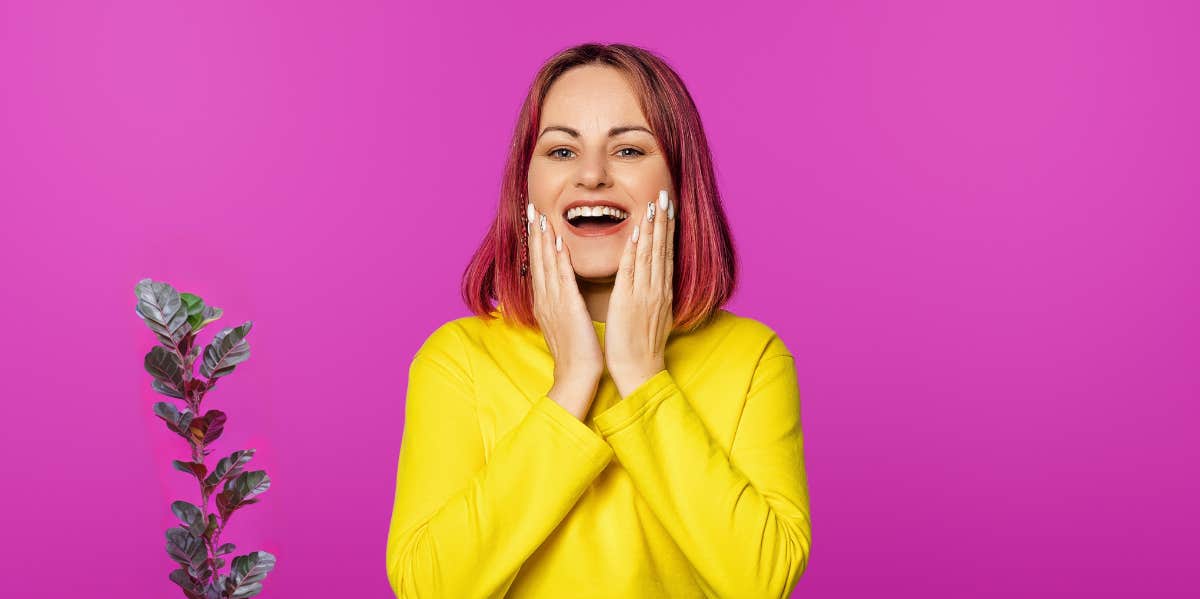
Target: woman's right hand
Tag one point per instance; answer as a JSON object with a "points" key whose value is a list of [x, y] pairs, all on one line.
{"points": [[563, 317]]}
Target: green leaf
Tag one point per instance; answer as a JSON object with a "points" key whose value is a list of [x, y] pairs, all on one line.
{"points": [[228, 467], [247, 572], [169, 413], [228, 502], [226, 548], [166, 389], [177, 421], [201, 572], [167, 369], [164, 312], [249, 484], [189, 585], [199, 314], [238, 492], [184, 548], [192, 303], [228, 349], [191, 516], [209, 315]]}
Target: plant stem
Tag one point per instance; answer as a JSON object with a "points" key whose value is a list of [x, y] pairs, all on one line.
{"points": [[207, 544], [198, 457]]}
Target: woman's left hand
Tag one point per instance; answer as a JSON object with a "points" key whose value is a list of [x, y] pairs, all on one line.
{"points": [[640, 314]]}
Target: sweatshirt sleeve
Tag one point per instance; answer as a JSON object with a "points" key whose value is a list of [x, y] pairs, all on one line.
{"points": [[741, 519], [461, 526]]}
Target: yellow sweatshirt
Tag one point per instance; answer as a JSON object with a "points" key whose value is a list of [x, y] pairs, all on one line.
{"points": [[692, 486]]}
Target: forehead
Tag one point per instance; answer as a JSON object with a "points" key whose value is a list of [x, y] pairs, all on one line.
{"points": [[591, 97]]}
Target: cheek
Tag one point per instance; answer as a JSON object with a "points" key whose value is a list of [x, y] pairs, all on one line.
{"points": [[544, 187], [647, 177]]}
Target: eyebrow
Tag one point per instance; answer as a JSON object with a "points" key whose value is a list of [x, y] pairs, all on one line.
{"points": [[615, 131]]}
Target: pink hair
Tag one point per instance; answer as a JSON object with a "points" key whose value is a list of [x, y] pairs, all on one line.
{"points": [[705, 269]]}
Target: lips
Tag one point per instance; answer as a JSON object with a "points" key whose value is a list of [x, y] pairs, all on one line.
{"points": [[595, 230]]}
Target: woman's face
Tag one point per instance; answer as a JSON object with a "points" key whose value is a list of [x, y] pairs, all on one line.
{"points": [[586, 156]]}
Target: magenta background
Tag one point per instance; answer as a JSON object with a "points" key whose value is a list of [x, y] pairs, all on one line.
{"points": [[974, 226]]}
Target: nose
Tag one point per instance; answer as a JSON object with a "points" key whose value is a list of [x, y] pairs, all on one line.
{"points": [[592, 172]]}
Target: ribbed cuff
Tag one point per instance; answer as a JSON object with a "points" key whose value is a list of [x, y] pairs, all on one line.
{"points": [[642, 399]]}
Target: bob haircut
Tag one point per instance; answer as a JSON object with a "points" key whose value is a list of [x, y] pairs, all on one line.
{"points": [[705, 265]]}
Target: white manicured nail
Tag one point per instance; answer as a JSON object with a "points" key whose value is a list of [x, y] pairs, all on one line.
{"points": [[558, 243], [649, 211], [662, 199], [635, 233], [542, 224], [529, 211], [671, 211]]}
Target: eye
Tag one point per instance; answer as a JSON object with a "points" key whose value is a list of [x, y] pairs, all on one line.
{"points": [[555, 153]]}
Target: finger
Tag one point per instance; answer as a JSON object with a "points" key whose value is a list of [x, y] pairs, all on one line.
{"points": [[658, 259], [670, 261], [645, 250], [566, 270], [549, 261], [625, 269], [535, 255]]}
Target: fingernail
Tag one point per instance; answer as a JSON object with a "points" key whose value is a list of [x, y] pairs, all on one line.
{"points": [[662, 199], [528, 227], [542, 224], [529, 212], [650, 212], [671, 211], [635, 233], [558, 243]]}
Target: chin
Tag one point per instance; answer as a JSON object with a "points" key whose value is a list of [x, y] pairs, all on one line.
{"points": [[596, 269]]}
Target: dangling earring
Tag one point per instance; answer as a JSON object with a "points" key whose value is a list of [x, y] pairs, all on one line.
{"points": [[524, 242]]}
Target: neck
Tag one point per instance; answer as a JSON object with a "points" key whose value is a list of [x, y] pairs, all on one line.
{"points": [[595, 295]]}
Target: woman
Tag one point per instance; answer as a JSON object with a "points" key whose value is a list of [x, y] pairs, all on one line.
{"points": [[607, 430]]}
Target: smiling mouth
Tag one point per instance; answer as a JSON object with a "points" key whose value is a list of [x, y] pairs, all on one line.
{"points": [[591, 226]]}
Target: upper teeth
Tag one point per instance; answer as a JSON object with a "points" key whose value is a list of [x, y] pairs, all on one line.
{"points": [[597, 211]]}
